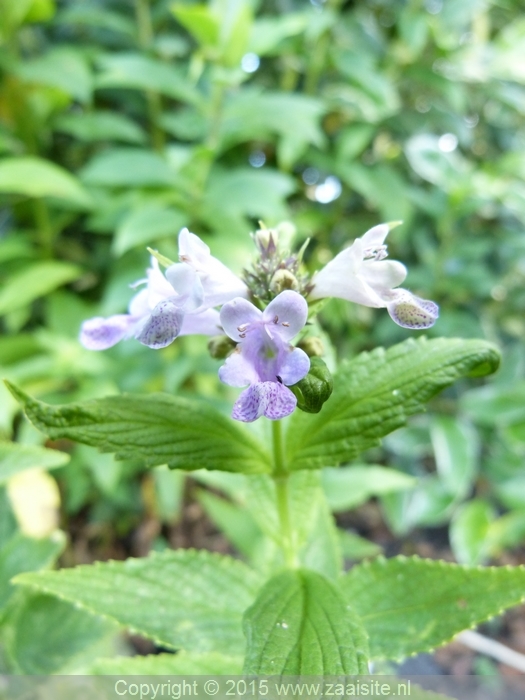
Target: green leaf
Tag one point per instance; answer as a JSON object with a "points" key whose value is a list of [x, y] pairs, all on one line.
{"points": [[237, 523], [348, 487], [375, 393], [412, 605], [355, 547], [35, 177], [300, 624], [157, 428], [91, 16], [22, 553], [322, 552], [469, 532], [143, 226], [127, 167], [63, 68], [455, 448], [34, 281], [184, 599], [129, 70], [45, 635], [180, 664], [199, 21], [15, 458], [100, 126]]}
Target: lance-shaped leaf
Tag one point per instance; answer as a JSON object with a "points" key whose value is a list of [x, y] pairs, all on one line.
{"points": [[158, 429], [301, 624], [185, 599], [376, 392], [411, 605]]}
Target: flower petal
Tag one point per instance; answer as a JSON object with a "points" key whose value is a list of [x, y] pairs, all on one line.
{"points": [[375, 236], [162, 326], [295, 366], [280, 401], [238, 370], [383, 275], [286, 315], [192, 250], [204, 323], [158, 286], [344, 284], [239, 314], [270, 399], [409, 311], [185, 281], [101, 333]]}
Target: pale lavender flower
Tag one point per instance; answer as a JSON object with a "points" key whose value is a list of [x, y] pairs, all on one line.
{"points": [[264, 358], [177, 303], [361, 274]]}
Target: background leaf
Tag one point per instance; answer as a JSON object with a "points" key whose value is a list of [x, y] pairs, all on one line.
{"points": [[15, 458]]}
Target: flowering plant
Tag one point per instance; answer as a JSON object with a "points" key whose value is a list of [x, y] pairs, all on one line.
{"points": [[290, 609]]}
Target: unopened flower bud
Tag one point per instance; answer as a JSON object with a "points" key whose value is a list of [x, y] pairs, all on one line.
{"points": [[267, 240], [220, 346], [312, 345], [316, 388], [283, 279]]}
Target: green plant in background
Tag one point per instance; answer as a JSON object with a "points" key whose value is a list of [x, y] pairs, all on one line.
{"points": [[122, 122]]}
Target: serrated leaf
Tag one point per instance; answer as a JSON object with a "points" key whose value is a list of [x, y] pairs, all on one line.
{"points": [[300, 624], [46, 635], [15, 458], [348, 487], [157, 428], [36, 177], [414, 605], [376, 392], [130, 70], [22, 553], [34, 281], [180, 664], [186, 599]]}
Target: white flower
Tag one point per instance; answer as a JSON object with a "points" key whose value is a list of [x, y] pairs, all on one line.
{"points": [[177, 303], [361, 274]]}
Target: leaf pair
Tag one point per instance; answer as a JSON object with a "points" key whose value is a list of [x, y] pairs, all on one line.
{"points": [[298, 621], [373, 395]]}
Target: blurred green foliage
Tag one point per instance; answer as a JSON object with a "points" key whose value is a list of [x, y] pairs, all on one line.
{"points": [[122, 121]]}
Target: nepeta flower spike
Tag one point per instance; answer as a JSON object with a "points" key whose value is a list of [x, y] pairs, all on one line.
{"points": [[361, 274], [264, 358]]}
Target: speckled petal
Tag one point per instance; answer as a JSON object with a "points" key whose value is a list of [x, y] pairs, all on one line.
{"points": [[163, 326], [251, 404], [409, 311], [101, 333], [280, 401], [286, 315], [239, 314]]}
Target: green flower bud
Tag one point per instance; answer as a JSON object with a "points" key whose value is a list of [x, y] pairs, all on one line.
{"points": [[220, 346], [316, 388], [283, 279], [312, 346]]}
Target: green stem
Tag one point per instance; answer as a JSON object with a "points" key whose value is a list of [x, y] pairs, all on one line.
{"points": [[281, 478], [153, 99]]}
